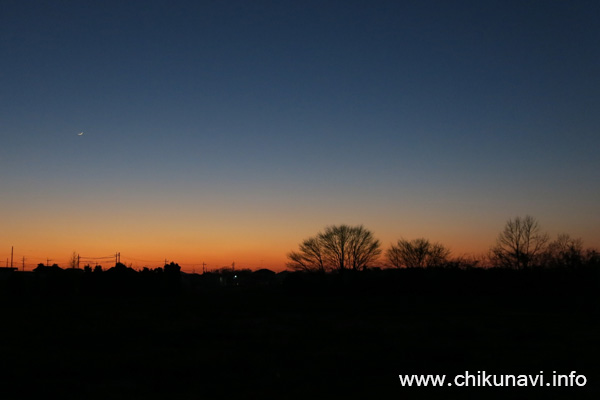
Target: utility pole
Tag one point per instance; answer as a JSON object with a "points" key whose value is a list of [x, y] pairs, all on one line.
{"points": [[203, 267], [23, 263], [78, 259], [12, 248]]}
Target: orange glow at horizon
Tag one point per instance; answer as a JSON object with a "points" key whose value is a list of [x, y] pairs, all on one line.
{"points": [[191, 252], [250, 237]]}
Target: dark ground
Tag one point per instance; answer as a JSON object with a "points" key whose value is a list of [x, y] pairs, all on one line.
{"points": [[305, 339]]}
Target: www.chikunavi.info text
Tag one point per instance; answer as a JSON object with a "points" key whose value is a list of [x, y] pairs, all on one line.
{"points": [[484, 379]]}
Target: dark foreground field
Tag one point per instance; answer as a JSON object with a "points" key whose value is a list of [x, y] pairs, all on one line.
{"points": [[306, 339]]}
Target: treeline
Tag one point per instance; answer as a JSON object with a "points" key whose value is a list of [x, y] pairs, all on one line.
{"points": [[430, 282], [119, 280], [349, 257], [520, 245], [122, 280]]}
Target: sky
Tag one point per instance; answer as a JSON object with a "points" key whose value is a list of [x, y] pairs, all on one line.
{"points": [[229, 131]]}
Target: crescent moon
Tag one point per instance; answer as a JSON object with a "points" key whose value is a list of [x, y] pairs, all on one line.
{"points": [[80, 134]]}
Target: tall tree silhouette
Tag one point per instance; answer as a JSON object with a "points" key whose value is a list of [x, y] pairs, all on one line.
{"points": [[520, 244], [417, 253], [73, 261], [338, 248]]}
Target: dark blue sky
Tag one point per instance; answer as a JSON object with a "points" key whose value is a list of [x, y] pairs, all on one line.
{"points": [[427, 118]]}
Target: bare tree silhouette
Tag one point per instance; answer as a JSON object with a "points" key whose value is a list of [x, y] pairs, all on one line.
{"points": [[520, 244], [309, 258], [73, 261], [338, 248], [417, 253], [565, 251]]}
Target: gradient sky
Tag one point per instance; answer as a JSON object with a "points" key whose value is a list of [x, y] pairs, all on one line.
{"points": [[221, 131]]}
